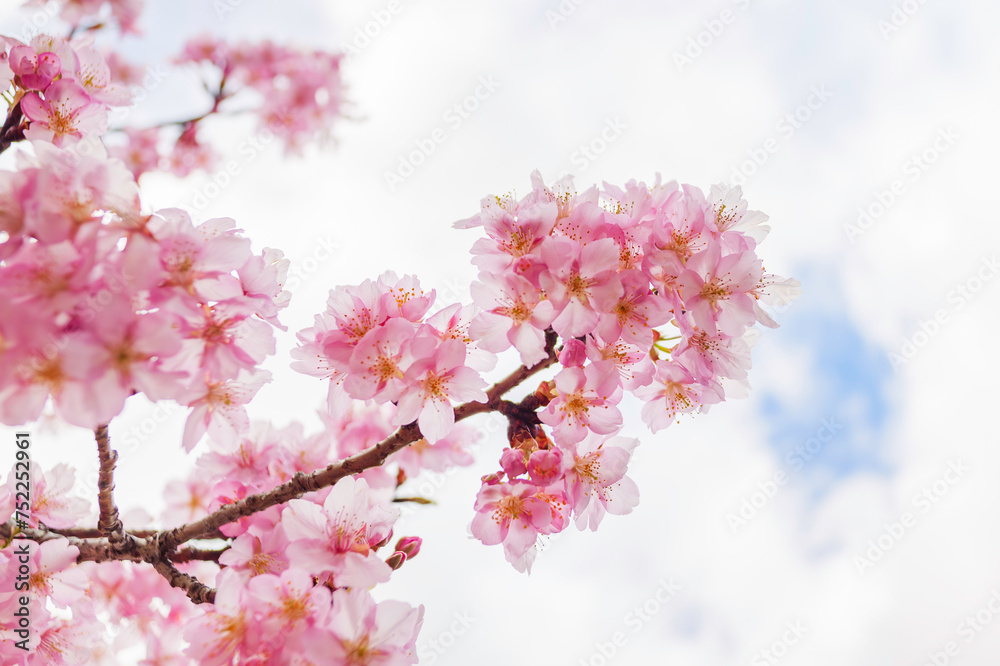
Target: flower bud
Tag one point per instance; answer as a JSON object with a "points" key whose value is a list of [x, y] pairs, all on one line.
{"points": [[512, 462], [545, 466], [410, 546], [396, 560]]}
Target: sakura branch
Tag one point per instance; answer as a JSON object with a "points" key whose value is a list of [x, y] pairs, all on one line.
{"points": [[371, 458], [108, 523], [643, 292]]}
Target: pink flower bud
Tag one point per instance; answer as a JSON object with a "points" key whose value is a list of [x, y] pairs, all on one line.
{"points": [[36, 71], [545, 467], [396, 559], [409, 545], [512, 462], [491, 480], [573, 354]]}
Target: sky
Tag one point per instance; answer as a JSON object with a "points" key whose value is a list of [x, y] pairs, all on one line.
{"points": [[848, 510]]}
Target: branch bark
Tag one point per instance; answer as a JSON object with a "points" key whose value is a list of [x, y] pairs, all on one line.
{"points": [[109, 524], [367, 459], [110, 541]]}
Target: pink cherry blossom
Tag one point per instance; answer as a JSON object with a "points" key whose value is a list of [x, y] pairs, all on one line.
{"points": [[715, 289], [227, 628], [260, 550], [634, 365], [586, 400], [514, 313], [66, 112], [634, 314], [187, 499], [377, 362], [200, 260], [595, 479], [360, 632], [449, 451], [338, 537], [437, 379], [51, 502], [709, 355], [139, 153], [94, 75], [35, 71], [730, 212], [220, 410], [55, 573], [576, 278], [89, 185], [291, 605], [511, 514], [674, 391]]}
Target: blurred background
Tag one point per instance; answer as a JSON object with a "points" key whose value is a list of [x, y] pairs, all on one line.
{"points": [[848, 511]]}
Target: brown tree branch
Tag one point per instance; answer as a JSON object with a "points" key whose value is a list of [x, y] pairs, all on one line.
{"points": [[109, 524], [110, 541], [12, 129], [96, 548], [370, 458], [197, 591]]}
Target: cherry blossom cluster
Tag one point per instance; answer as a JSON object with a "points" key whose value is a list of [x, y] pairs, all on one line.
{"points": [[300, 91], [296, 95], [61, 89], [374, 343], [91, 13], [619, 274], [295, 582], [295, 577], [111, 302], [646, 289], [292, 583]]}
